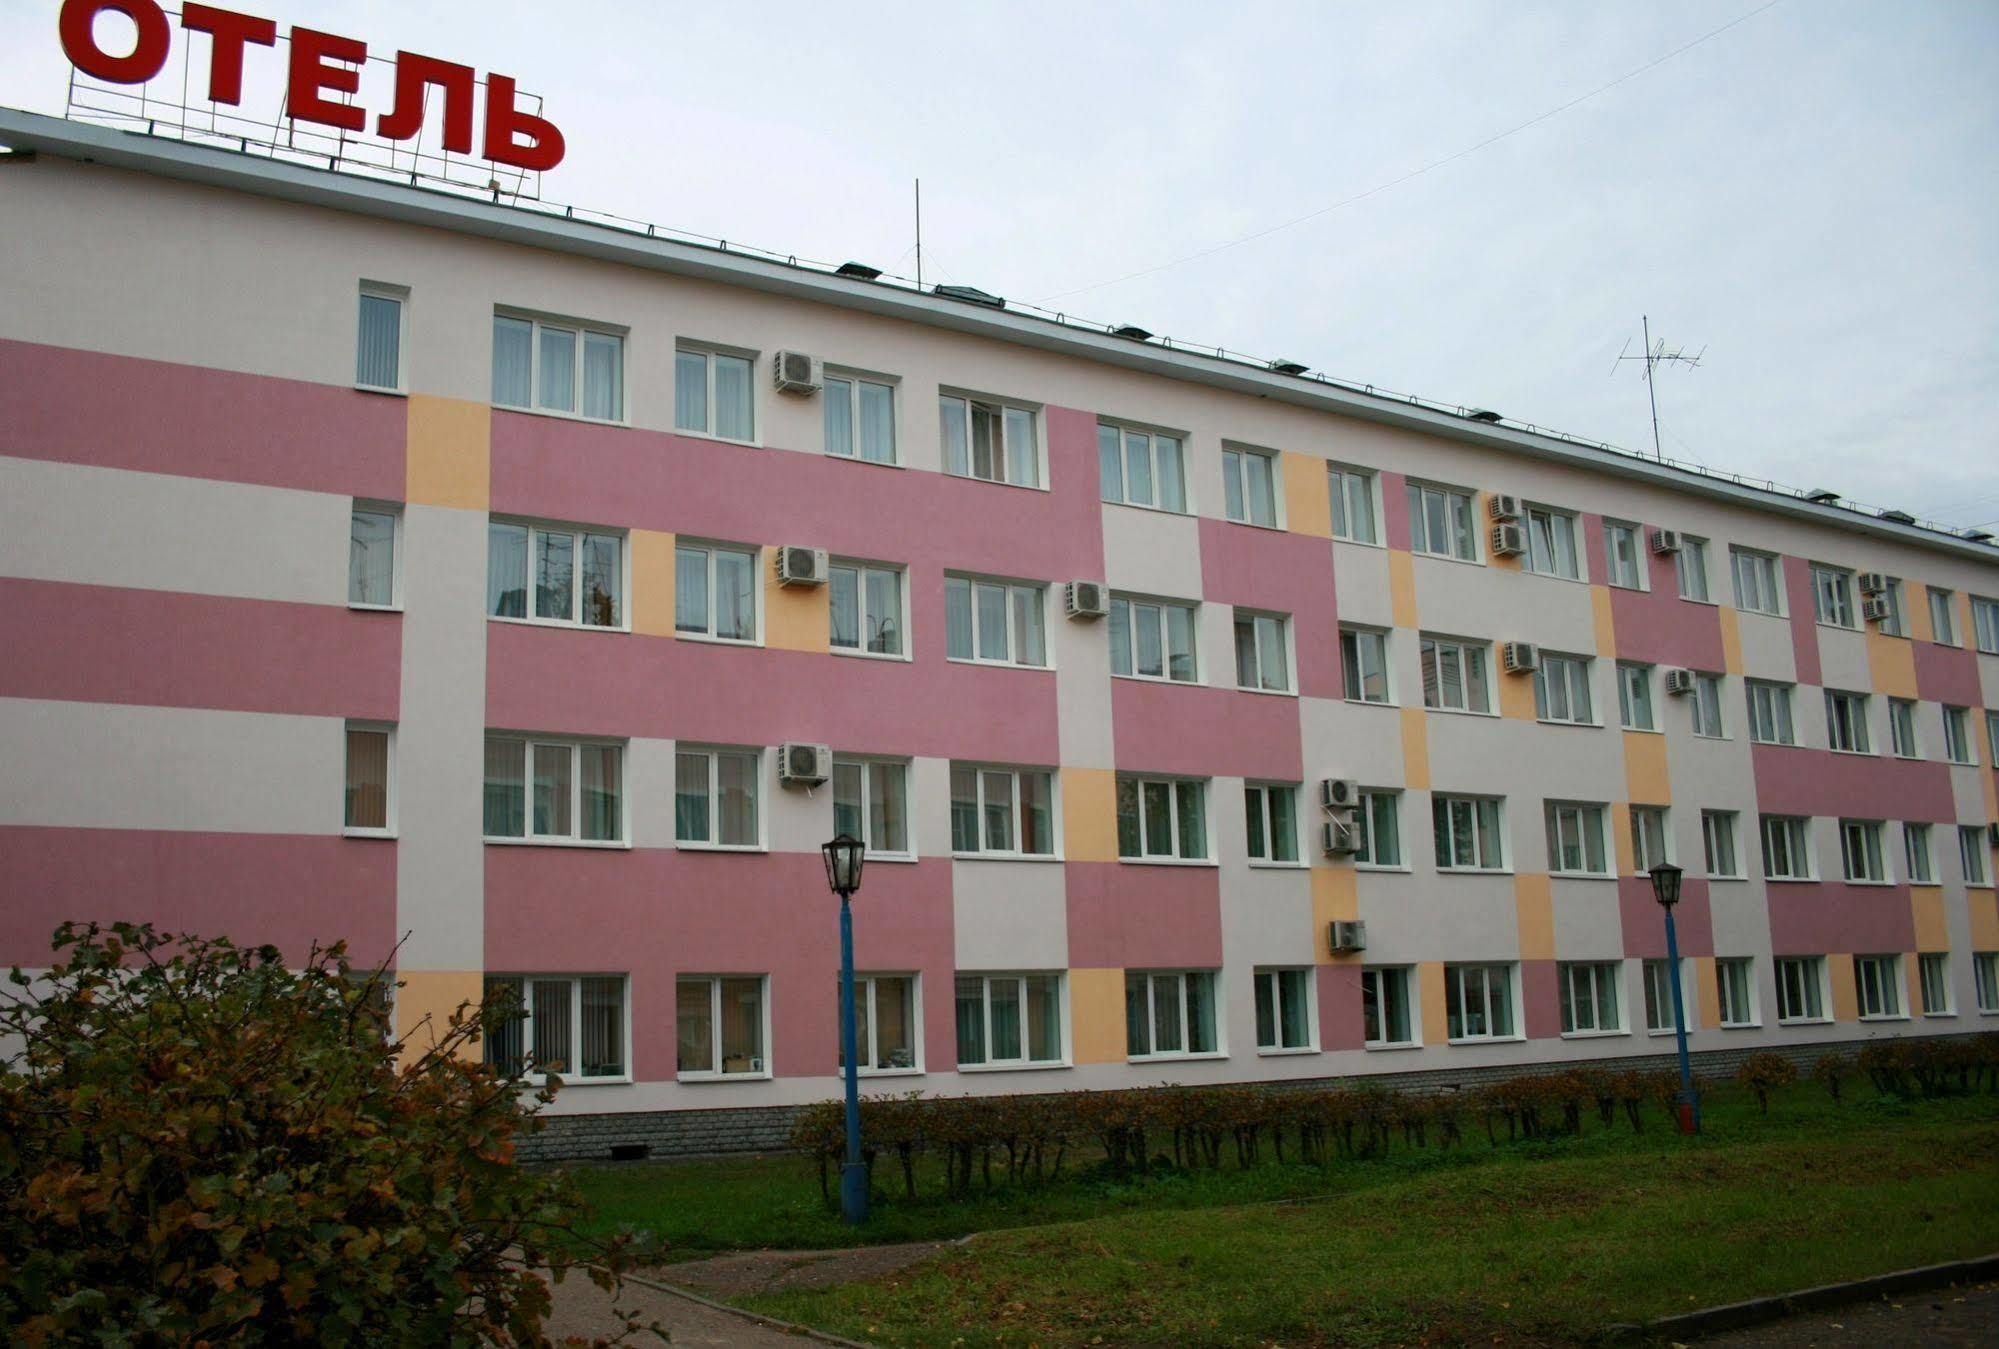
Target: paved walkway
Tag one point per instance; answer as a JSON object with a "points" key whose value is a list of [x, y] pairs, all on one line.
{"points": [[1942, 1316], [585, 1310]]}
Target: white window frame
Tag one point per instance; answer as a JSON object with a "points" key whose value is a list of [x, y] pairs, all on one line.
{"points": [[1656, 994], [1015, 814], [855, 380], [1832, 596], [1846, 729], [1919, 852], [388, 826], [1026, 1061], [1863, 852], [1546, 557], [400, 297], [1903, 741], [1461, 528], [1132, 438], [1957, 741], [1506, 971], [869, 767], [1260, 799], [574, 838], [708, 549], [707, 352], [524, 983], [1943, 616], [1772, 718], [1132, 606], [1806, 977], [1750, 995], [1635, 708], [1353, 665], [1451, 803], [1625, 571], [1690, 570], [1369, 856], [1175, 787], [761, 1072], [1972, 855], [1185, 981], [1589, 976], [1018, 593], [1236, 481], [1578, 824], [1651, 838], [1003, 456], [1342, 481], [1704, 706], [867, 1021], [862, 571], [1796, 832], [1261, 621], [394, 512], [1573, 673], [1404, 978], [581, 331], [714, 754], [1933, 984], [1985, 624], [1458, 652], [1985, 982], [1880, 985], [576, 535], [1895, 624], [1268, 989], [1759, 581], [1992, 734], [1718, 830]]}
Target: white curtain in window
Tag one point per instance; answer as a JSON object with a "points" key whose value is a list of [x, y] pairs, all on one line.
{"points": [[735, 596], [367, 779], [506, 793], [603, 1039], [690, 391], [733, 416], [603, 376], [602, 787], [554, 1036], [558, 369], [506, 570], [736, 808], [378, 360], [513, 362], [877, 423]]}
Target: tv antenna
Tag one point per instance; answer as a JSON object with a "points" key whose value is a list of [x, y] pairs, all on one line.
{"points": [[1655, 356]]}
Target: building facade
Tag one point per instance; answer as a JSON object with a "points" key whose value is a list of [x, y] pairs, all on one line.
{"points": [[386, 566]]}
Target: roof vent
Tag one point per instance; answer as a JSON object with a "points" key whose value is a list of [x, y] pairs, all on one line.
{"points": [[1978, 535], [1132, 331], [971, 295], [1899, 517], [1486, 415], [1822, 496], [860, 271], [1287, 367]]}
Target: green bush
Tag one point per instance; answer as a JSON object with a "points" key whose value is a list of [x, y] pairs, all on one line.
{"points": [[1763, 1073], [198, 1144]]}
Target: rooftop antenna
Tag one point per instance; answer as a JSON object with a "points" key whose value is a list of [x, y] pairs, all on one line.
{"points": [[919, 234], [1657, 355]]}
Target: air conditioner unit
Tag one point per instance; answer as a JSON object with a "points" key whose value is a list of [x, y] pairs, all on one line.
{"points": [[1875, 608], [1872, 583], [1679, 681], [1665, 540], [1520, 657], [1339, 838], [1508, 540], [799, 762], [1339, 793], [1085, 599], [1346, 936], [1501, 506], [801, 566], [795, 372]]}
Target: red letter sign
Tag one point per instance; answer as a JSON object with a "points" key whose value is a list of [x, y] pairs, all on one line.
{"points": [[229, 32], [310, 74], [79, 40]]}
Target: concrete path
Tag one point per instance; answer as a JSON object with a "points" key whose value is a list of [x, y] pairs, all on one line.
{"points": [[1943, 1316], [585, 1310]]}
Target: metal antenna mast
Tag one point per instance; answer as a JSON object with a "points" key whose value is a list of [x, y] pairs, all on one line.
{"points": [[919, 234], [1656, 356]]}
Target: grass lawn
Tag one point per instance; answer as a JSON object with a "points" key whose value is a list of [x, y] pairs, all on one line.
{"points": [[1547, 1240]]}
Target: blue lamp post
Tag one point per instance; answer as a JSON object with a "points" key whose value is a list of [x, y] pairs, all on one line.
{"points": [[844, 856], [1666, 889]]}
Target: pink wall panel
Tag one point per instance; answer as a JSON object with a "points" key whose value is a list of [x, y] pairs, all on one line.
{"points": [[1341, 1023], [717, 913], [1595, 553], [1794, 781], [1540, 998], [1947, 674], [1287, 573], [1817, 917], [1125, 916], [102, 644], [83, 407], [1658, 627], [1804, 618], [285, 889], [1645, 923], [1395, 510], [1197, 730]]}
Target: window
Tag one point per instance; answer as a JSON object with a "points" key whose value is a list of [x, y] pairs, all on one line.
{"points": [[1380, 821], [371, 558], [1385, 1007], [1992, 735], [1846, 722], [1770, 714], [1651, 844], [1589, 998], [1756, 587], [714, 394], [860, 418], [1161, 818], [1787, 848], [1169, 1015], [1735, 983], [1009, 1019], [1262, 652], [563, 1025], [1634, 697], [990, 441], [1985, 978], [1575, 839], [1832, 595], [715, 592], [1141, 468], [715, 798], [1860, 851], [1352, 491], [871, 802], [378, 347], [1879, 982], [1690, 566], [574, 576], [866, 609], [1620, 546], [1002, 812], [1659, 1010], [1933, 976], [719, 1022], [1478, 1001], [1917, 854], [1249, 486], [1801, 988], [1891, 623], [545, 366], [1706, 707], [884, 1023], [1985, 624], [1271, 812], [370, 780], [1467, 832], [1943, 616], [1153, 639], [1971, 853], [1441, 522], [1285, 1019], [1364, 665], [1561, 690], [1718, 845], [554, 791], [1551, 543], [1454, 675], [1902, 729], [997, 622], [1957, 736]]}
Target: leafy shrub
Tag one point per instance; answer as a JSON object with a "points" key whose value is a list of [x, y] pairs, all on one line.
{"points": [[198, 1144], [1763, 1073], [1833, 1070]]}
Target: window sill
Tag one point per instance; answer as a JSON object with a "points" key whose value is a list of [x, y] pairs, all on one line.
{"points": [[1569, 725], [1641, 730], [1176, 1058], [871, 463], [996, 482], [1264, 1053], [1461, 712], [1155, 510], [1728, 878], [1251, 524], [1905, 758], [387, 835], [1762, 613], [893, 858], [693, 1079], [1718, 739], [1635, 590], [1168, 862], [1446, 557], [1474, 871], [1775, 744], [1601, 1034], [1268, 693], [1695, 599], [1383, 866], [889, 1072], [1836, 627], [706, 640], [1263, 864], [1488, 1040], [893, 657], [1790, 880], [1939, 1016], [374, 608], [1004, 857], [1804, 1021], [1159, 679], [587, 844], [996, 664], [1872, 885], [1012, 1067], [555, 623], [719, 440], [1884, 1016], [1581, 876], [1742, 1025], [1852, 753], [1526, 570], [1368, 702], [1393, 1046], [385, 392], [748, 848], [1360, 543], [1962, 763], [538, 1079], [557, 414]]}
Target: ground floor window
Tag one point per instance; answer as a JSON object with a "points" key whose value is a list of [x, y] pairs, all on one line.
{"points": [[1735, 983], [885, 1019], [1801, 988], [1985, 978], [721, 1026], [1659, 997], [1478, 1002], [1933, 973], [1589, 998], [1879, 981], [562, 1025], [1284, 1017], [1170, 1013], [1384, 1003], [1009, 1019]]}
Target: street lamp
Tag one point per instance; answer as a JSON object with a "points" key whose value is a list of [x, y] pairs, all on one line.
{"points": [[844, 856], [1666, 889]]}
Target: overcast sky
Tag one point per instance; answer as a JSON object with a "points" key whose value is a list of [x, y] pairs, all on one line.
{"points": [[1812, 195]]}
